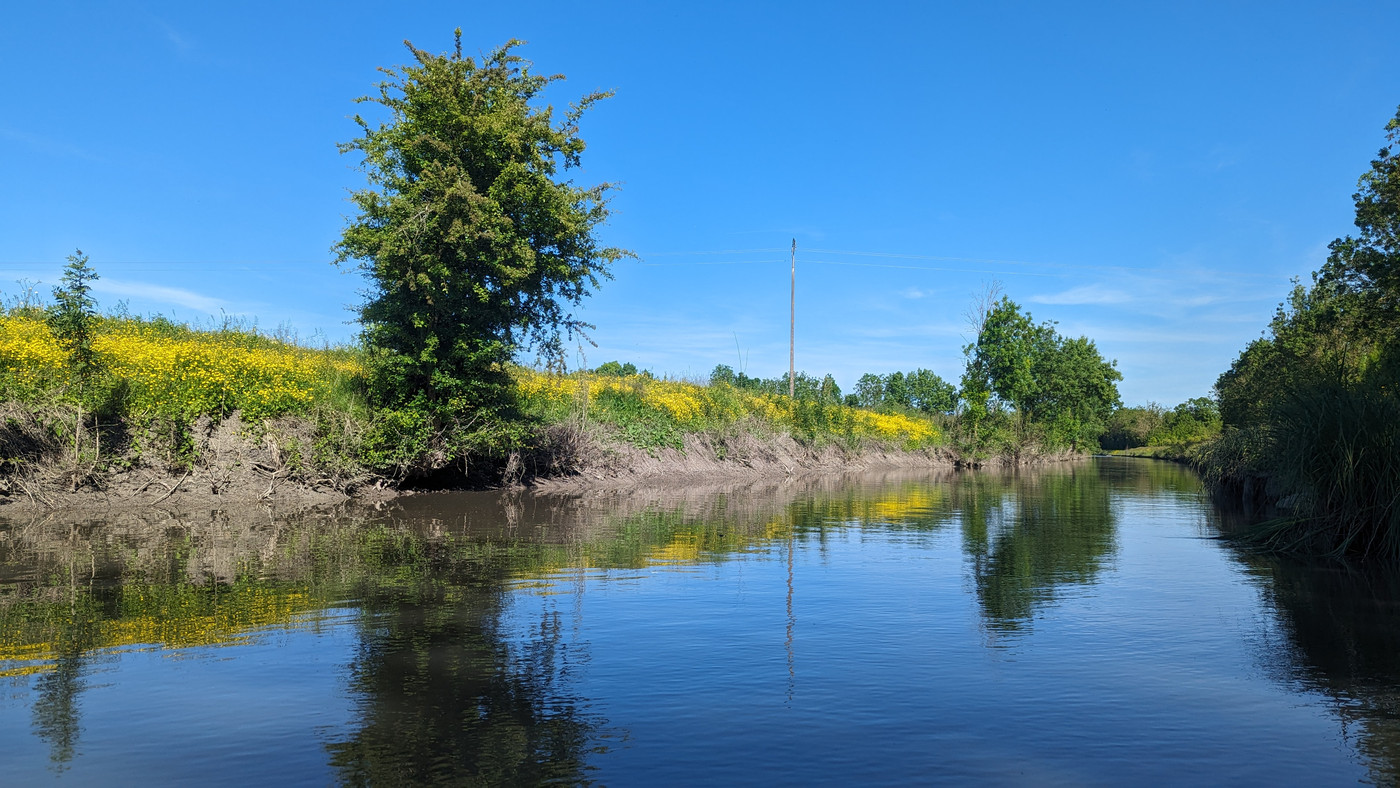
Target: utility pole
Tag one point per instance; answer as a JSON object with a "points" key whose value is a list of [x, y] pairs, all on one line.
{"points": [[792, 329]]}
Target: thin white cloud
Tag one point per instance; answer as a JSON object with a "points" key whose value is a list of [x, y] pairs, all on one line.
{"points": [[46, 145], [181, 41], [160, 294], [1084, 294]]}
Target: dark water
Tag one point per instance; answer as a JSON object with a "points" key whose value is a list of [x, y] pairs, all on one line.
{"points": [[1077, 625]]}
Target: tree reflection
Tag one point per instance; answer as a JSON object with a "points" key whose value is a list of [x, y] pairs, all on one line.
{"points": [[449, 691], [1028, 534], [454, 682], [60, 683], [56, 709], [1343, 638], [445, 698]]}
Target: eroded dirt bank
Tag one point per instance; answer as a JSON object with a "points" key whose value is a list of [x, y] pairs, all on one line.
{"points": [[230, 464], [236, 466]]}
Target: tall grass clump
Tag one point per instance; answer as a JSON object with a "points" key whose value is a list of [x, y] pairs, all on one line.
{"points": [[1332, 448], [1231, 457]]}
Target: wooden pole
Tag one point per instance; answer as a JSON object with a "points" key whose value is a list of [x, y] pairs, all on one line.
{"points": [[792, 329]]}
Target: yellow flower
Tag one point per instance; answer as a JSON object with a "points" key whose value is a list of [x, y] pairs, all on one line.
{"points": [[179, 371]]}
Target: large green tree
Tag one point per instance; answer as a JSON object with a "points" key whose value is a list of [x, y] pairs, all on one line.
{"points": [[1008, 350], [474, 245], [1061, 386]]}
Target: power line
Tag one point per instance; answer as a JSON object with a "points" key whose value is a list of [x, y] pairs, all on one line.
{"points": [[931, 268], [1063, 269], [937, 257], [717, 251], [709, 262], [1077, 266]]}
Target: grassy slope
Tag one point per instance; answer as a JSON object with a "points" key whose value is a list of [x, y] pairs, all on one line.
{"points": [[651, 413], [158, 377]]}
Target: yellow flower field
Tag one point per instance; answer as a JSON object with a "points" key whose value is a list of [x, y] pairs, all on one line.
{"points": [[178, 372], [174, 371], [694, 407]]}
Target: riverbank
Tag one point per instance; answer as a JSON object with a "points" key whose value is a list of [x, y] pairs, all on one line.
{"points": [[235, 463], [228, 463], [1253, 491], [173, 415], [1185, 453], [746, 456]]}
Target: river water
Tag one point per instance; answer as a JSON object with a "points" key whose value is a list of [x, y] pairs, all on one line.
{"points": [[1075, 625]]}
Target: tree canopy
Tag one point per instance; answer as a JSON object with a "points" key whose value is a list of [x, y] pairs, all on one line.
{"points": [[473, 245], [1369, 263], [921, 390], [1340, 328], [1313, 403], [1062, 384]]}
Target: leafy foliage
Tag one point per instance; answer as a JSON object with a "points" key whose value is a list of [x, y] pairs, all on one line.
{"points": [[1313, 403], [805, 387], [1194, 420], [1369, 264], [921, 390], [618, 370], [473, 245], [1059, 389], [72, 315]]}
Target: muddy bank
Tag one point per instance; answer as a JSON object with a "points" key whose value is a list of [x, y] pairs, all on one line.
{"points": [[599, 465], [711, 458], [234, 464], [230, 463]]}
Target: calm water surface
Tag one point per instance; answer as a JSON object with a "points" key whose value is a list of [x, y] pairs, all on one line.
{"points": [[1076, 625]]}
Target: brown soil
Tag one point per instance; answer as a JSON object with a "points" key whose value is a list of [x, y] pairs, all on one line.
{"points": [[235, 466], [598, 464], [238, 466]]}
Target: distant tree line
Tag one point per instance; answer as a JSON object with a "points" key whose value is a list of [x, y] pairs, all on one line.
{"points": [[1195, 420], [805, 387], [1024, 386], [920, 390]]}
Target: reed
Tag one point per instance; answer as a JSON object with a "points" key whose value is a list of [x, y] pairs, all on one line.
{"points": [[1332, 452]]}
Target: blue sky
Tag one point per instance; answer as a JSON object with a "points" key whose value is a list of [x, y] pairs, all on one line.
{"points": [[1148, 175]]}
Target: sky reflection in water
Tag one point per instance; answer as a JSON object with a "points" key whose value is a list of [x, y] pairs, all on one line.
{"points": [[1071, 625]]}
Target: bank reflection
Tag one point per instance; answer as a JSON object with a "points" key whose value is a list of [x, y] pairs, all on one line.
{"points": [[1342, 638], [453, 680], [443, 692]]}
